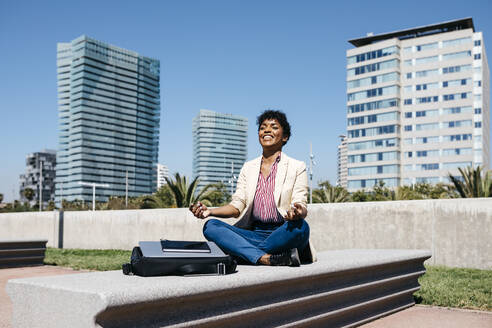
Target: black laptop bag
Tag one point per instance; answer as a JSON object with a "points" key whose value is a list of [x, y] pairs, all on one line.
{"points": [[151, 258]]}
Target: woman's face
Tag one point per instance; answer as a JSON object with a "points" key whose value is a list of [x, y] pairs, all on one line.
{"points": [[271, 135]]}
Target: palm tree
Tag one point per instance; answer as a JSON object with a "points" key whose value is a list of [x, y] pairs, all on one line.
{"points": [[184, 192], [29, 194], [473, 184], [330, 194]]}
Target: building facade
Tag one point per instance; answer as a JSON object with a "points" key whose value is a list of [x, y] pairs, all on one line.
{"points": [[342, 162], [162, 174], [220, 147], [40, 173], [109, 112], [418, 105]]}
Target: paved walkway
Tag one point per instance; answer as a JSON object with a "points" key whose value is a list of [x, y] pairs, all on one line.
{"points": [[423, 316], [25, 272], [414, 317]]}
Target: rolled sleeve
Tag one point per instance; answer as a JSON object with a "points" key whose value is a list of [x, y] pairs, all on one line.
{"points": [[300, 190]]}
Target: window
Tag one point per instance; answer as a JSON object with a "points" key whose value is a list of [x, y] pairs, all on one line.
{"points": [[373, 105], [408, 128], [420, 113], [426, 86], [408, 101], [408, 141], [478, 97], [423, 100], [456, 151], [456, 69], [408, 115], [426, 126], [407, 89], [457, 124], [408, 62], [373, 80], [455, 165], [425, 140], [381, 143], [457, 110], [478, 124], [457, 137], [408, 154], [379, 169], [373, 67], [373, 131], [427, 73], [476, 56], [373, 55], [463, 95], [409, 75], [456, 55], [456, 42], [478, 111], [425, 60], [477, 43], [393, 89], [427, 46], [445, 84], [478, 83], [427, 167]]}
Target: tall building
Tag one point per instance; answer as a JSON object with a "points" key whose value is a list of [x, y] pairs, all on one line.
{"points": [[109, 111], [39, 164], [219, 147], [162, 174], [418, 105], [342, 162]]}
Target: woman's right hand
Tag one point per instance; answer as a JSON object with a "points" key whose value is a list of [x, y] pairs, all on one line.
{"points": [[199, 210]]}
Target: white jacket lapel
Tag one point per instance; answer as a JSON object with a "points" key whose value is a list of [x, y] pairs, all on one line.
{"points": [[253, 178], [280, 177]]}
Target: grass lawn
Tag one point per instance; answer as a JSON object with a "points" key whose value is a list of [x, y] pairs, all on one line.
{"points": [[456, 287], [93, 259], [441, 286]]}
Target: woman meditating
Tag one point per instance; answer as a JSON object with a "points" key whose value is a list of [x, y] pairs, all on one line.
{"points": [[271, 196]]}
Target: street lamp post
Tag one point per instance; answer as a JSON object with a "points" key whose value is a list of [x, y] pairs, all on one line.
{"points": [[94, 185], [311, 164]]}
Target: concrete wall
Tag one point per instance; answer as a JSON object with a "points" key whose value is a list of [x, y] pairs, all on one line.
{"points": [[457, 231]]}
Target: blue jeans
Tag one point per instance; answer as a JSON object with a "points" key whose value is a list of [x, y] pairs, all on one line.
{"points": [[250, 245]]}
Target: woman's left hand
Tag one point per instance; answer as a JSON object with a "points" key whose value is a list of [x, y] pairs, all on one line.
{"points": [[296, 212]]}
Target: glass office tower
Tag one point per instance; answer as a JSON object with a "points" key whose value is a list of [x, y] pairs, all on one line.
{"points": [[220, 147], [109, 111], [418, 105]]}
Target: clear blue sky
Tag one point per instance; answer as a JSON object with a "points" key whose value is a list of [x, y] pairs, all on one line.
{"points": [[238, 57]]}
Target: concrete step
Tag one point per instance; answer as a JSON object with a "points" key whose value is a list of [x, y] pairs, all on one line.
{"points": [[343, 289], [14, 253]]}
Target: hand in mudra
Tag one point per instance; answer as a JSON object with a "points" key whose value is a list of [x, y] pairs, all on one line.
{"points": [[296, 212], [199, 210]]}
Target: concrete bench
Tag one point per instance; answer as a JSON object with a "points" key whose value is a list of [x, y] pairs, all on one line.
{"points": [[14, 253], [343, 289]]}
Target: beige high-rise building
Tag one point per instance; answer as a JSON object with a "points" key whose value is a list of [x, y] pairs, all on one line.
{"points": [[418, 105], [162, 174], [342, 162]]}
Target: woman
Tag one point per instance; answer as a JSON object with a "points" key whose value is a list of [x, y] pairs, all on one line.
{"points": [[271, 196]]}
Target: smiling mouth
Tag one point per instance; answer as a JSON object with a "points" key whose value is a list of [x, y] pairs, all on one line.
{"points": [[267, 137]]}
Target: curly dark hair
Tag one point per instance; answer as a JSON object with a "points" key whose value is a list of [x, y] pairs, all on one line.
{"points": [[270, 114]]}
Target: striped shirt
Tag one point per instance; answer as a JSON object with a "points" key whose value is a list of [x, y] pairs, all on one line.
{"points": [[264, 207]]}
